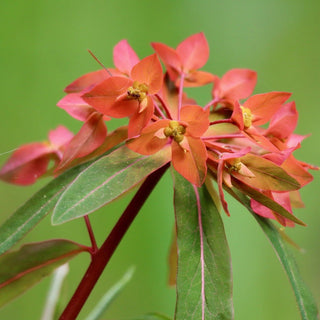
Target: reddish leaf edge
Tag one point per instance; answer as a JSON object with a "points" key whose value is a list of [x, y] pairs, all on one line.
{"points": [[31, 217], [63, 257]]}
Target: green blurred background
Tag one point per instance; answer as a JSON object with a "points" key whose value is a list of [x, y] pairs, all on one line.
{"points": [[44, 47]]}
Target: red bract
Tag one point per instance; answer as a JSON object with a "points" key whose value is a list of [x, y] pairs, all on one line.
{"points": [[87, 81], [94, 131], [283, 122], [190, 55], [236, 84], [258, 110], [30, 161], [235, 165], [91, 136], [188, 151], [124, 57], [255, 111], [247, 145], [76, 106], [129, 97], [283, 199]]}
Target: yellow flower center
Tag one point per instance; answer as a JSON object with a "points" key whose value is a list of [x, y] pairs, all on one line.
{"points": [[137, 91], [175, 130], [247, 117], [234, 164]]}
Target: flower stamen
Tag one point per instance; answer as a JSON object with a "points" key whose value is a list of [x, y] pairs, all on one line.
{"points": [[234, 165], [247, 116], [175, 130], [137, 91]]}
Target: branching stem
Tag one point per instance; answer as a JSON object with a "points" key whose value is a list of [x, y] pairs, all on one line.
{"points": [[164, 106], [101, 257], [91, 235], [213, 103]]}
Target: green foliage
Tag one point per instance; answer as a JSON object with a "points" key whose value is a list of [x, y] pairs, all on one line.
{"points": [[307, 306], [217, 265], [35, 209], [104, 181], [306, 303], [19, 270]]}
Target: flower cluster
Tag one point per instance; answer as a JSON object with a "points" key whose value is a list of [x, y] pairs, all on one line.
{"points": [[243, 141]]}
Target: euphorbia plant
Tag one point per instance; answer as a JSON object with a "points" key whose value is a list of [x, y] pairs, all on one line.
{"points": [[238, 143]]}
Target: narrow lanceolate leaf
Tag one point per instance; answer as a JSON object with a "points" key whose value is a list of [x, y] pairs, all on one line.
{"points": [[19, 270], [306, 303], [105, 180], [263, 199], [204, 280], [35, 209], [109, 297], [54, 293]]}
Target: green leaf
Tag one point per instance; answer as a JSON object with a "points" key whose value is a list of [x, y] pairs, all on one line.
{"points": [[105, 180], [215, 301], [19, 270], [35, 209], [306, 303], [108, 298], [307, 306], [173, 260]]}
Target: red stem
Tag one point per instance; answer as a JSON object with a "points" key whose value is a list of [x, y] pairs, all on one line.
{"points": [[94, 247], [101, 258], [166, 109], [220, 121], [180, 93]]}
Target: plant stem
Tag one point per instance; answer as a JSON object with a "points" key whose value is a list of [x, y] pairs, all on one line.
{"points": [[180, 94], [164, 106], [94, 247], [101, 258]]}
